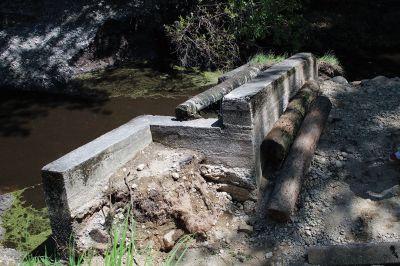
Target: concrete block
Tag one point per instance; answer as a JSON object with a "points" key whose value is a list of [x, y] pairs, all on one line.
{"points": [[356, 254], [258, 104], [75, 183], [231, 148]]}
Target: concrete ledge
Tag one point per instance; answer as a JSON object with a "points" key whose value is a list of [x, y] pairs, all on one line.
{"points": [[356, 254], [276, 84], [230, 148], [74, 184]]}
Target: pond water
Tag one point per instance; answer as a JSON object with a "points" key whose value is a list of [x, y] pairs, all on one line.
{"points": [[36, 129]]}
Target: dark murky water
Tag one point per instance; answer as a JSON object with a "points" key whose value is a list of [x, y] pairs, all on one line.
{"points": [[36, 129]]}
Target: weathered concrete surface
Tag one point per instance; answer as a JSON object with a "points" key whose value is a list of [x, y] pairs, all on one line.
{"points": [[230, 148], [356, 254], [190, 108], [258, 104], [74, 184]]}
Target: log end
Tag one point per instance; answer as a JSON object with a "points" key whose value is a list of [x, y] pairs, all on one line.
{"points": [[185, 111], [272, 154], [278, 215]]}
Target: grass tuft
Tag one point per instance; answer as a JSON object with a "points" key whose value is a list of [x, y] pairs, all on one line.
{"points": [[269, 58], [330, 59], [122, 251]]}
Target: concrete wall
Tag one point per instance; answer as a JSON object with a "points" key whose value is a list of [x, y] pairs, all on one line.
{"points": [[75, 184], [258, 104]]}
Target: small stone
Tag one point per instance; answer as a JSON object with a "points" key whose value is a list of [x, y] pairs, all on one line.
{"points": [[134, 186], [170, 238], [175, 176], [268, 255], [249, 206], [340, 80], [140, 167], [245, 228], [339, 164]]}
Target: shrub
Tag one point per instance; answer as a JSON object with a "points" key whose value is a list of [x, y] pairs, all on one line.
{"points": [[210, 35]]}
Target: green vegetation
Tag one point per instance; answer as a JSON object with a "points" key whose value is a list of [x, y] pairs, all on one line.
{"points": [[211, 34], [25, 227], [122, 251], [139, 81], [269, 58], [330, 59]]}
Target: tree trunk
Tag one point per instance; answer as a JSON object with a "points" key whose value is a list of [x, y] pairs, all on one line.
{"points": [[276, 144], [289, 181]]}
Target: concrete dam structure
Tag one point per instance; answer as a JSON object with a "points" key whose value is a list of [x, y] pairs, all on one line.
{"points": [[75, 185]]}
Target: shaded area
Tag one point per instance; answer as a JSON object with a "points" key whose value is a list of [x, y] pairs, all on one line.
{"points": [[363, 34]]}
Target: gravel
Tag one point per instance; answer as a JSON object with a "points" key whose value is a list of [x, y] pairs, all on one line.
{"points": [[350, 193]]}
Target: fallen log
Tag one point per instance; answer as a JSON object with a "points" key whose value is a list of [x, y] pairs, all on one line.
{"points": [[190, 108], [356, 254], [276, 144], [288, 185]]}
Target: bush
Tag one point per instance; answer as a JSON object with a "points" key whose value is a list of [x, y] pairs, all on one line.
{"points": [[210, 36], [205, 38]]}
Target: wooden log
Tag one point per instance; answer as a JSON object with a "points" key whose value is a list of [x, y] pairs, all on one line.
{"points": [[190, 109], [276, 144], [356, 254], [289, 181]]}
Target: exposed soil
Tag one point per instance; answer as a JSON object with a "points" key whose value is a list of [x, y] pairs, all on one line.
{"points": [[169, 198]]}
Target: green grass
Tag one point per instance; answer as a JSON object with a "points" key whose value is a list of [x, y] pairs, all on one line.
{"points": [[330, 59], [270, 58], [122, 251]]}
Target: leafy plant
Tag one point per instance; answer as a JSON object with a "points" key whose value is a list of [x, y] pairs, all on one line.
{"points": [[210, 35]]}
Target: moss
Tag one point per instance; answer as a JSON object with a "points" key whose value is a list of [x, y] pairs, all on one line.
{"points": [[25, 227], [144, 80]]}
